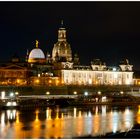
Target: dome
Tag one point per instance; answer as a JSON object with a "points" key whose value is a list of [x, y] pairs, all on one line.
{"points": [[63, 49], [36, 53]]}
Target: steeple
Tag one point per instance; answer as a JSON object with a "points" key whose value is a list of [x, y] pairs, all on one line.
{"points": [[62, 32], [61, 23]]}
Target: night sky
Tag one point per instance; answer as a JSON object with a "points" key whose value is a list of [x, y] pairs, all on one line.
{"points": [[106, 30]]}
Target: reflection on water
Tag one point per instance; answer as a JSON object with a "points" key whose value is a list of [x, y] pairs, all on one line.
{"points": [[67, 122]]}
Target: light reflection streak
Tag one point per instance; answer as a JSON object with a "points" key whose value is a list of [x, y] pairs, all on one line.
{"points": [[75, 122]]}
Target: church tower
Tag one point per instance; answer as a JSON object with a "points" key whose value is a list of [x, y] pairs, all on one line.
{"points": [[62, 48]]}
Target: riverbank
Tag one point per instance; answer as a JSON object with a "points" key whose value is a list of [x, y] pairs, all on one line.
{"points": [[69, 89]]}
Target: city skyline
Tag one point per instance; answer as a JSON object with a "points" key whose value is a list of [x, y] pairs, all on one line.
{"points": [[105, 30]]}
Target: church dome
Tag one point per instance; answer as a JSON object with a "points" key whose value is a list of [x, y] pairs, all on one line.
{"points": [[62, 49], [36, 55]]}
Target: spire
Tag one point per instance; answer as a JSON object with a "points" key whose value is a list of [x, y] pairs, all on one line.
{"points": [[37, 43], [62, 23], [27, 53]]}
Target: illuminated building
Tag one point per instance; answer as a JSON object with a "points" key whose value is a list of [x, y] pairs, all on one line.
{"points": [[36, 55], [62, 50], [63, 69]]}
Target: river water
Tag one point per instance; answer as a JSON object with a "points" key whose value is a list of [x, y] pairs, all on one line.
{"points": [[68, 122]]}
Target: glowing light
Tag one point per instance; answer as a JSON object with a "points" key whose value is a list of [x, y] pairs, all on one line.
{"points": [[57, 81], [86, 93], [11, 104], [50, 81], [99, 92], [2, 94], [115, 75], [18, 81], [121, 92], [11, 94], [104, 99], [90, 81], [47, 92], [75, 92], [96, 99], [16, 93], [127, 82], [75, 112], [37, 81], [120, 82], [17, 117], [38, 75], [114, 69]]}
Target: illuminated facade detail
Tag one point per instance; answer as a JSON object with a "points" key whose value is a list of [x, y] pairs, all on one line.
{"points": [[36, 55], [13, 75], [97, 74], [59, 69], [62, 50]]}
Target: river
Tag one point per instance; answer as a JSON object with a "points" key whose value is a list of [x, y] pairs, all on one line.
{"points": [[67, 122]]}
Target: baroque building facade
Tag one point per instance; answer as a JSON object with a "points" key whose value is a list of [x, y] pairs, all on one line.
{"points": [[63, 69]]}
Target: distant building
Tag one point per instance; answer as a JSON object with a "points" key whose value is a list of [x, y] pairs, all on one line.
{"points": [[63, 69]]}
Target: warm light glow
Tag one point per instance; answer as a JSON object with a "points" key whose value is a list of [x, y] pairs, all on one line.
{"points": [[36, 116], [37, 81], [11, 104], [17, 117], [57, 82], [47, 92], [99, 92], [2, 94], [121, 92], [75, 92], [38, 75], [16, 93], [120, 82], [115, 75], [75, 112], [104, 99], [18, 81], [50, 81], [90, 81], [127, 82]]}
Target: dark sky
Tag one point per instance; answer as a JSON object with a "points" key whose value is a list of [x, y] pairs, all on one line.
{"points": [[106, 30]]}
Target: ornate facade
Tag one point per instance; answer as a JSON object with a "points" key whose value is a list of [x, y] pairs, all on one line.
{"points": [[63, 69]]}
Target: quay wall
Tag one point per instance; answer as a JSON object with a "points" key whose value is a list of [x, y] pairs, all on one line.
{"points": [[41, 90]]}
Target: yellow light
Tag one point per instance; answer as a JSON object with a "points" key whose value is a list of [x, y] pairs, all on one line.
{"points": [[47, 92], [57, 81], [139, 83], [75, 92], [16, 93], [18, 81], [50, 81], [37, 81], [62, 82]]}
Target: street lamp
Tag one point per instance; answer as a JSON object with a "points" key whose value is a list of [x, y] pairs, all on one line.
{"points": [[86, 93], [99, 92], [47, 92]]}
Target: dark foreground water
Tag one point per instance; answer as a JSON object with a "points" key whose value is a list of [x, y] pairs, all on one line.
{"points": [[69, 122]]}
